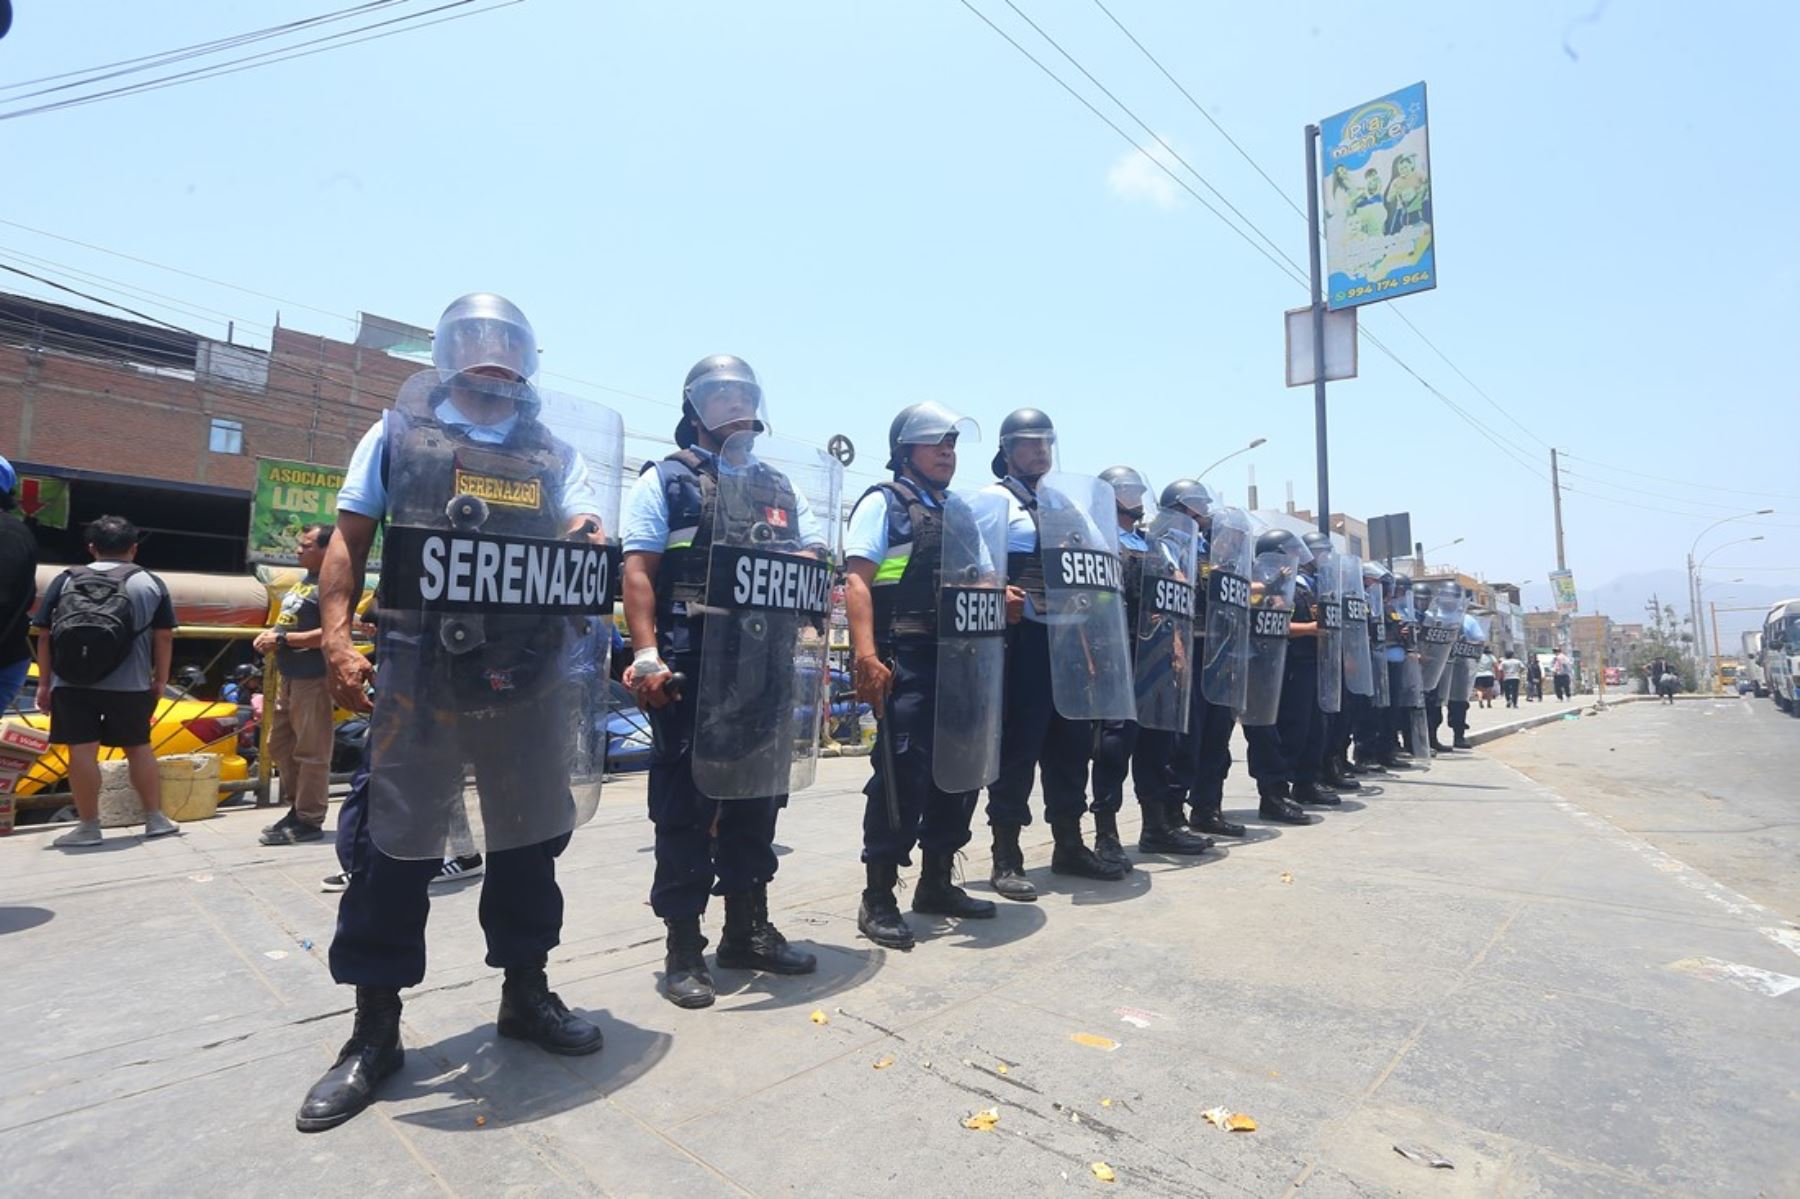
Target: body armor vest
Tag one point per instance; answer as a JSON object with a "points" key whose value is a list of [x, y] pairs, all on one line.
{"points": [[1026, 571], [906, 604], [1132, 560]]}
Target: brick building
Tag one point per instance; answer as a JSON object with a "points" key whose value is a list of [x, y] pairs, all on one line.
{"points": [[165, 427]]}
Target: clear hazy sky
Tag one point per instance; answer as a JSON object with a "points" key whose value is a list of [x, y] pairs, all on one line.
{"points": [[882, 202]]}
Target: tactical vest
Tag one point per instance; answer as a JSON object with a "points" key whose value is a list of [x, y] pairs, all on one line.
{"points": [[1306, 610], [1133, 562], [1026, 571], [690, 485], [520, 482], [905, 590]]}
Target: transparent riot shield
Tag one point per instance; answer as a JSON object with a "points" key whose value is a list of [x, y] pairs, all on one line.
{"points": [[1440, 627], [971, 642], [1090, 656], [498, 574], [1272, 577], [1164, 658], [1225, 647], [1459, 676], [762, 703], [1359, 675], [1328, 598], [1379, 693], [1410, 693]]}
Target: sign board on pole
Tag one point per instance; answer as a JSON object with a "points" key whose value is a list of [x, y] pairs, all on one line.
{"points": [[288, 497], [1376, 185], [1562, 586], [45, 500], [1340, 346], [1390, 536]]}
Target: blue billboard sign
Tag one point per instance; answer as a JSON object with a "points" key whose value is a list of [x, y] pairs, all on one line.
{"points": [[1376, 180]]}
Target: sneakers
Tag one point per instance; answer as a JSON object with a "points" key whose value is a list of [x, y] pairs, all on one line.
{"points": [[291, 830], [335, 882], [158, 825], [85, 835], [458, 868]]}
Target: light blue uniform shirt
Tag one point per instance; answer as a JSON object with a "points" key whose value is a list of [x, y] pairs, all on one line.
{"points": [[1131, 539], [644, 528], [1021, 533], [365, 494], [866, 536]]}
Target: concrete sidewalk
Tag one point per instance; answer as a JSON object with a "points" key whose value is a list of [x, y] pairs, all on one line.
{"points": [[1465, 961]]}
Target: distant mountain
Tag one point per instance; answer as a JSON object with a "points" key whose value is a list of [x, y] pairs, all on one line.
{"points": [[1627, 598]]}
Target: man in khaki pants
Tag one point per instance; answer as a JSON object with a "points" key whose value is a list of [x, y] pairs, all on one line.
{"points": [[300, 738]]}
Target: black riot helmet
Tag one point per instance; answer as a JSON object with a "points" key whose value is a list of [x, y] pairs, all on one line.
{"points": [[720, 388], [1021, 424], [1280, 541], [1190, 494], [1129, 488], [1317, 542], [926, 423]]}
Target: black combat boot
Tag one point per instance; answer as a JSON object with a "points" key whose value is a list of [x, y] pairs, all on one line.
{"points": [[751, 942], [531, 1011], [1336, 777], [1277, 808], [1461, 742], [686, 982], [938, 895], [1161, 834], [879, 916], [1072, 856], [371, 1054], [1107, 846], [1209, 816], [1008, 877], [1308, 793]]}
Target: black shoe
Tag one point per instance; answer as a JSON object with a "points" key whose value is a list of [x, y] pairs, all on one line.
{"points": [[1107, 846], [1008, 877], [370, 1055], [531, 1011], [1210, 820], [1461, 742], [291, 830], [1337, 773], [879, 916], [1307, 793], [938, 895], [686, 982], [1277, 808], [1072, 856], [1164, 834], [751, 942]]}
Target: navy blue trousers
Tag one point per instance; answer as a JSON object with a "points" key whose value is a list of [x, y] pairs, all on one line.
{"points": [[934, 819], [1202, 758], [1035, 737], [703, 846], [1288, 751]]}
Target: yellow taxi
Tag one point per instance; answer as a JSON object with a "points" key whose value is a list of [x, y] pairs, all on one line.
{"points": [[180, 726]]}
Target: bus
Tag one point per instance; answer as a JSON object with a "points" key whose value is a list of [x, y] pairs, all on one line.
{"points": [[1781, 655]]}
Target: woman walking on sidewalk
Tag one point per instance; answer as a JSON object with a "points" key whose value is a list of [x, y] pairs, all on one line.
{"points": [[1484, 679], [1534, 680], [1512, 671]]}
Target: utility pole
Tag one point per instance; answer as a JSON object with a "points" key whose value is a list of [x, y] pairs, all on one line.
{"points": [[1562, 562], [1318, 328], [1712, 671]]}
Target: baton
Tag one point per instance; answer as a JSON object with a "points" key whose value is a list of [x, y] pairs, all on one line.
{"points": [[887, 763]]}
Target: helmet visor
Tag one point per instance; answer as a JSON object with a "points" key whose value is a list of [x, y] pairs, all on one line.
{"points": [[929, 423], [723, 399], [1197, 498], [474, 342], [1129, 489]]}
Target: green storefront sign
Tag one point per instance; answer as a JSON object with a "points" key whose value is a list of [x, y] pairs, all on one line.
{"points": [[289, 496]]}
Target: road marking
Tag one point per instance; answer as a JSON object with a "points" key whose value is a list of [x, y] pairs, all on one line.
{"points": [[1750, 978]]}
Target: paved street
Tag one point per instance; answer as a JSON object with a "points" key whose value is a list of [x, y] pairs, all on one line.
{"points": [[1541, 972]]}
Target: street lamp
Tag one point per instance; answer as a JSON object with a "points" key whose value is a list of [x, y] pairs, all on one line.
{"points": [[1230, 456], [1700, 643], [1434, 549]]}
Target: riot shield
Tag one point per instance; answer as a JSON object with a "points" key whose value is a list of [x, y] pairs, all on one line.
{"points": [[1379, 693], [1411, 692], [1459, 677], [1090, 656], [1164, 658], [763, 678], [1225, 649], [971, 642], [498, 575], [1359, 675], [1328, 599], [1439, 628], [1272, 577]]}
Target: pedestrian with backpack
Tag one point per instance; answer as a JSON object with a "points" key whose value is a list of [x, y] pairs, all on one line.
{"points": [[105, 635]]}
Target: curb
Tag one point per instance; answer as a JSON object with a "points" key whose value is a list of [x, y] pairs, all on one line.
{"points": [[1519, 726]]}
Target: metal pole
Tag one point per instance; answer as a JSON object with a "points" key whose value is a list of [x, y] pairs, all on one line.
{"points": [[1694, 610], [1318, 325], [1556, 502], [1712, 665]]}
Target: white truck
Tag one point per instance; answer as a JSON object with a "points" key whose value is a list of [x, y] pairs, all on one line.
{"points": [[1781, 655], [1751, 675]]}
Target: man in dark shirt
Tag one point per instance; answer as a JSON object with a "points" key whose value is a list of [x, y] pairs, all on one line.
{"points": [[18, 588], [300, 737]]}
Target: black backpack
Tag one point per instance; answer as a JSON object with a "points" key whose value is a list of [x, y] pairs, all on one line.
{"points": [[92, 629]]}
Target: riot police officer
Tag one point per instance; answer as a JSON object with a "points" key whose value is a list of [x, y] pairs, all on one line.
{"points": [[675, 515], [1034, 735], [1308, 729], [486, 685], [1434, 706], [1288, 690], [1460, 679], [1164, 661], [910, 545]]}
